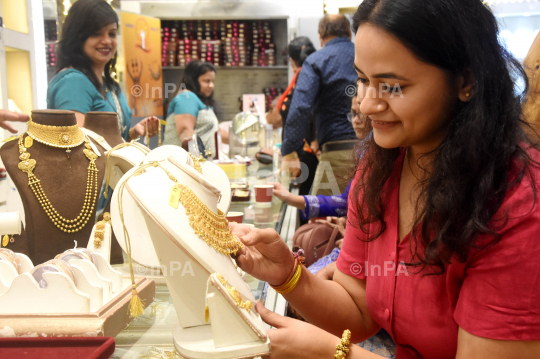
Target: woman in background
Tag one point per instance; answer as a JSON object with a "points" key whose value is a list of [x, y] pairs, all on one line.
{"points": [[86, 54], [191, 109]]}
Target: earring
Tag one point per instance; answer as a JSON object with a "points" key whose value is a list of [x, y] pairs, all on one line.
{"points": [[6, 240], [468, 94]]}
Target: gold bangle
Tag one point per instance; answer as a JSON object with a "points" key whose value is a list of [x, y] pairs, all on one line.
{"points": [[342, 349], [290, 285]]}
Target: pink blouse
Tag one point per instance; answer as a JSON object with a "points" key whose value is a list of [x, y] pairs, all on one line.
{"points": [[494, 294]]}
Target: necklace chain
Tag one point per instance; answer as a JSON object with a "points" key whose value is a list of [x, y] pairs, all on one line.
{"points": [[27, 166]]}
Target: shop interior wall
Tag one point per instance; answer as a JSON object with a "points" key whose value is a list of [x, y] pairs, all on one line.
{"points": [[19, 80]]}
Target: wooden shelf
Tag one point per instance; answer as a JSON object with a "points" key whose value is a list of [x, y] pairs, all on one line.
{"points": [[233, 67]]}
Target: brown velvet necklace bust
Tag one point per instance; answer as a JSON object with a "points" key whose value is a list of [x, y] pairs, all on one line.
{"points": [[104, 124], [64, 182]]}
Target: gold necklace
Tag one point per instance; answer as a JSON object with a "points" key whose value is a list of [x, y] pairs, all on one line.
{"points": [[27, 165], [55, 136], [210, 227], [235, 294], [196, 163]]}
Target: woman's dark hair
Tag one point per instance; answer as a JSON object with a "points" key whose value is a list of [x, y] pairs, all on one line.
{"points": [[85, 18], [469, 169], [300, 48], [190, 81]]}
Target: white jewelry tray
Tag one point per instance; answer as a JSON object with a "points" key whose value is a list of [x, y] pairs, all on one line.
{"points": [[96, 305]]}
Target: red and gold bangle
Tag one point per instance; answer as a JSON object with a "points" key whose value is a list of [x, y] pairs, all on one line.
{"points": [[294, 277]]}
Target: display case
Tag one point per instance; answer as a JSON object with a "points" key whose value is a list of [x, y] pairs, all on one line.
{"points": [[250, 56]]}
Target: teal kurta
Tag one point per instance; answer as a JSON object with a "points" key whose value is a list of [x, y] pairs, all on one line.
{"points": [[71, 90], [205, 127]]}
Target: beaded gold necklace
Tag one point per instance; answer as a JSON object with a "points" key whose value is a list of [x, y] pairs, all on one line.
{"points": [[27, 166]]}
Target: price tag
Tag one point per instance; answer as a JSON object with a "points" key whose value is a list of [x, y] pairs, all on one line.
{"points": [[174, 198]]}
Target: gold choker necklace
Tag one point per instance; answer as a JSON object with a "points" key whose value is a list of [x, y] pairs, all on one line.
{"points": [[55, 136], [27, 165]]}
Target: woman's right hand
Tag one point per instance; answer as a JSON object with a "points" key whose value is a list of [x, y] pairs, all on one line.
{"points": [[280, 192], [265, 255]]}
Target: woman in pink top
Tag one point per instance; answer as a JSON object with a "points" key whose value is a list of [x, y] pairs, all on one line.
{"points": [[443, 234]]}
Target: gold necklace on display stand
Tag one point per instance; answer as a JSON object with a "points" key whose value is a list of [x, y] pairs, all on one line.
{"points": [[60, 137]]}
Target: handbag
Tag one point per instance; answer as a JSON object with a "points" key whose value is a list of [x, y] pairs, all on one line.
{"points": [[317, 240]]}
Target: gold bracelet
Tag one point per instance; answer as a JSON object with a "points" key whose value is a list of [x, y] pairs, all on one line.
{"points": [[342, 349], [290, 285]]}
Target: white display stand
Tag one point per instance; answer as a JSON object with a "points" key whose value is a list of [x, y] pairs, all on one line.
{"points": [[177, 246], [122, 159], [93, 287], [142, 251]]}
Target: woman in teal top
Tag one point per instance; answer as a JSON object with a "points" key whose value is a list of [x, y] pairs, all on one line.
{"points": [[190, 111], [85, 55]]}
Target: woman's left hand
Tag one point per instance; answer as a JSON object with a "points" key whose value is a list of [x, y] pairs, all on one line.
{"points": [[150, 123], [296, 339]]}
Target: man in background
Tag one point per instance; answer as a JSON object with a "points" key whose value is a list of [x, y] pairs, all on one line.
{"points": [[323, 88]]}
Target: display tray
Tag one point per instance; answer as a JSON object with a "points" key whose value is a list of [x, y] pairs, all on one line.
{"points": [[53, 348], [109, 320]]}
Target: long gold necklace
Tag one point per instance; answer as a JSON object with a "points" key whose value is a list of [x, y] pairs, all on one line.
{"points": [[55, 136], [27, 165]]}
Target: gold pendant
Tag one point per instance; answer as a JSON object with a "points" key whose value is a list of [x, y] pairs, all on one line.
{"points": [[28, 142], [206, 313], [5, 240]]}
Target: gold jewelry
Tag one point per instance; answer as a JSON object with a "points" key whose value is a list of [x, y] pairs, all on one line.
{"points": [[159, 134], [342, 349], [196, 163], [99, 233], [6, 240], [290, 285], [235, 294], [9, 255], [55, 136], [147, 136], [27, 165], [468, 94], [211, 227]]}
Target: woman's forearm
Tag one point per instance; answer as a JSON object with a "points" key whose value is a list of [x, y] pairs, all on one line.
{"points": [[296, 201], [327, 305]]}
